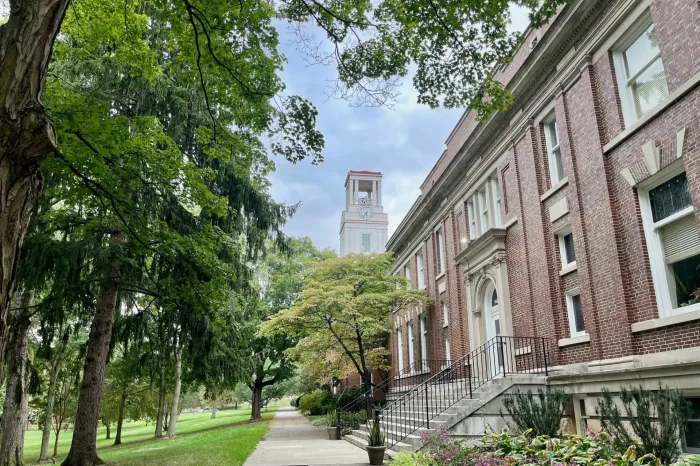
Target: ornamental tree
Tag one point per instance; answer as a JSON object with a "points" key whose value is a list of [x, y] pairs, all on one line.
{"points": [[342, 318]]}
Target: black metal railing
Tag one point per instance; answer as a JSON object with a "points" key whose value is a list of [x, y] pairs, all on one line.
{"points": [[459, 379], [355, 413]]}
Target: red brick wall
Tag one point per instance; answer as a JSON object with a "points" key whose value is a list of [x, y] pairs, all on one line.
{"points": [[613, 270]]}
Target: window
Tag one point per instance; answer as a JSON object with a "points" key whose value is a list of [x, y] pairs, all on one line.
{"points": [[407, 273], [674, 245], [691, 440], [366, 242], [551, 136], [473, 232], [448, 353], [496, 200], [640, 71], [441, 251], [411, 354], [399, 349], [424, 340], [419, 266], [445, 316], [484, 210], [575, 311], [566, 248]]}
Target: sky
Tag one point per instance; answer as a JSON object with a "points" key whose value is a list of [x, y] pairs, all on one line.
{"points": [[403, 143]]}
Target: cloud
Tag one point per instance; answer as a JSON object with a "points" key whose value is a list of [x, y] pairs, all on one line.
{"points": [[403, 143]]}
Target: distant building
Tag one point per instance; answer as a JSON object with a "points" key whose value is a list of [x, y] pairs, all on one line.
{"points": [[363, 224]]}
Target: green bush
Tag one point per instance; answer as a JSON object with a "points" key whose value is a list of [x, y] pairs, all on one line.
{"points": [[657, 417], [318, 402], [541, 413], [349, 395]]}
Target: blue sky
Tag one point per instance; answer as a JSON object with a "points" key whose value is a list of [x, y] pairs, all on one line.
{"points": [[403, 143]]}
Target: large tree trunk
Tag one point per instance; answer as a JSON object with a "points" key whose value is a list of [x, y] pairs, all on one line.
{"points": [[83, 449], [161, 403], [256, 402], [120, 419], [14, 413], [50, 400], [176, 393], [27, 136], [108, 432]]}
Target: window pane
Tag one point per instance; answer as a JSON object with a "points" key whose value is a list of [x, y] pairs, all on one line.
{"points": [[670, 197], [365, 242], [641, 52], [692, 435], [556, 171], [553, 129], [578, 313], [569, 248], [686, 274], [649, 88]]}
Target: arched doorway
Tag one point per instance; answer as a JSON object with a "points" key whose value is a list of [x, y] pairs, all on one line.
{"points": [[492, 317]]}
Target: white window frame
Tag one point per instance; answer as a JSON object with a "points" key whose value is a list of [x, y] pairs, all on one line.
{"points": [[629, 112], [407, 274], [551, 127], [420, 271], [685, 448], [664, 288], [473, 226], [369, 242], [399, 348], [441, 250], [561, 234], [411, 353], [445, 314], [482, 195], [496, 193], [570, 311], [448, 351], [423, 322]]}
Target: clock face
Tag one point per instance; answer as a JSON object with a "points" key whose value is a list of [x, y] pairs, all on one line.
{"points": [[366, 213]]}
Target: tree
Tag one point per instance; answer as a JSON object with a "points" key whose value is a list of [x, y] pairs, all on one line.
{"points": [[280, 279], [342, 317], [456, 46]]}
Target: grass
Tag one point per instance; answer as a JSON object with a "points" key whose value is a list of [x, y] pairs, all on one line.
{"points": [[139, 448]]}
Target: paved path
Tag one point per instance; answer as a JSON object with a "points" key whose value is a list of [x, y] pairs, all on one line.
{"points": [[292, 440]]}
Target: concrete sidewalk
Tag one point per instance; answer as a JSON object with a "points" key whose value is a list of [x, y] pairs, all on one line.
{"points": [[293, 441]]}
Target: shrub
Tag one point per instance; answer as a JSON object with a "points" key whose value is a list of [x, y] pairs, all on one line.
{"points": [[318, 402], [376, 438], [349, 395], [658, 419], [541, 413], [331, 419]]}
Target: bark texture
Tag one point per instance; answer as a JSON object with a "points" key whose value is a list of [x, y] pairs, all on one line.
{"points": [[161, 404], [176, 393], [83, 449], [14, 415], [27, 135], [120, 419], [50, 400]]}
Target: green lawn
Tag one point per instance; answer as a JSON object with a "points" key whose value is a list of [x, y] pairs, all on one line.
{"points": [[139, 448]]}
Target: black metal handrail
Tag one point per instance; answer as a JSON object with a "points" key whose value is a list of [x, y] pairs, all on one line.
{"points": [[459, 379], [356, 412]]}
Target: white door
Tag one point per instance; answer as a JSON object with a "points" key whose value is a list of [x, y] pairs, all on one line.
{"points": [[492, 313]]}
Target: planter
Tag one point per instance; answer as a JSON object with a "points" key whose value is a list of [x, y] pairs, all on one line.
{"points": [[376, 455], [331, 433]]}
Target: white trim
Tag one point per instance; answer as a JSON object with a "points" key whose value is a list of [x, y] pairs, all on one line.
{"points": [[445, 314], [440, 233], [420, 270], [583, 338], [561, 234], [399, 348], [689, 314], [510, 223], [663, 289], [570, 312], [523, 350], [411, 342], [563, 182], [568, 269]]}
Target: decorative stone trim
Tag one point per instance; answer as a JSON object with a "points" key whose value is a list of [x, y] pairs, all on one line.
{"points": [[568, 269], [665, 321], [563, 182], [510, 223], [574, 340], [558, 209]]}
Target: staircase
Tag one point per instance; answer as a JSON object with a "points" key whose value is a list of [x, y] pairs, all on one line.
{"points": [[453, 394]]}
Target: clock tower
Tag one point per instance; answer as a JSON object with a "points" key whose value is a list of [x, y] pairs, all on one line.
{"points": [[363, 224]]}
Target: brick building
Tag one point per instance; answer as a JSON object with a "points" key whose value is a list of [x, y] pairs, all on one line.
{"points": [[573, 216]]}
